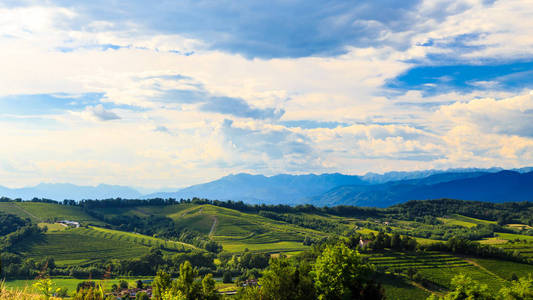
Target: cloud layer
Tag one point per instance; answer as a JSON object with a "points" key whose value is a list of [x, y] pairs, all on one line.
{"points": [[177, 93]]}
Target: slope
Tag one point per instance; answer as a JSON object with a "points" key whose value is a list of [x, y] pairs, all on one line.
{"points": [[505, 186]]}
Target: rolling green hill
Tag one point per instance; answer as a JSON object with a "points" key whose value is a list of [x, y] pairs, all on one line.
{"points": [[235, 230], [76, 247], [272, 233], [40, 212]]}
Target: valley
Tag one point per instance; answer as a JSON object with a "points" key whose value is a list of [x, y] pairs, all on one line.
{"points": [[409, 244]]}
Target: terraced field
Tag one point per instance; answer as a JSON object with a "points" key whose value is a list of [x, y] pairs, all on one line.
{"points": [[40, 212], [73, 247], [504, 269], [237, 231], [437, 267], [512, 242], [404, 260], [399, 288], [84, 245], [136, 238], [470, 220]]}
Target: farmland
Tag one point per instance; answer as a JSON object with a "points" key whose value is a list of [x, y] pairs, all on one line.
{"points": [[41, 212], [75, 247], [181, 231]]}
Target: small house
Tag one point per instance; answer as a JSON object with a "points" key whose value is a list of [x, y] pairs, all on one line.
{"points": [[364, 243]]}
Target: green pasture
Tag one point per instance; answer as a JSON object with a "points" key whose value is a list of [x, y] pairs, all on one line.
{"points": [[70, 283], [137, 238], [442, 276], [437, 267], [400, 288], [72, 246], [453, 221], [504, 269], [471, 220], [512, 236], [52, 226], [419, 261], [42, 212], [290, 247]]}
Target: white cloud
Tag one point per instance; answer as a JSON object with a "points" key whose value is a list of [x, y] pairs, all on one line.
{"points": [[39, 53]]}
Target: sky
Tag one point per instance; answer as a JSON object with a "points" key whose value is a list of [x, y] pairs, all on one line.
{"points": [[158, 94]]}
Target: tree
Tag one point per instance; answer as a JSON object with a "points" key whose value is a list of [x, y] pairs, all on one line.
{"points": [[209, 290], [46, 286], [395, 242], [284, 280], [185, 282], [465, 288], [518, 289], [161, 283], [340, 273], [226, 277], [142, 296]]}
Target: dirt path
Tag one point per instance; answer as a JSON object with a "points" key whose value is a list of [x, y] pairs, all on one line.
{"points": [[28, 213], [418, 285], [189, 212], [481, 267], [213, 227]]}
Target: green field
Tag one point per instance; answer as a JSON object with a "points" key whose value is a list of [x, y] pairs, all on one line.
{"points": [[52, 226], [136, 238], [470, 220], [71, 283], [458, 222], [505, 269], [437, 267], [42, 212], [400, 288], [237, 231], [75, 247]]}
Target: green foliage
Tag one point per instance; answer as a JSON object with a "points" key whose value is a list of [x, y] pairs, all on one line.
{"points": [[283, 280], [93, 293], [161, 284], [341, 273], [249, 293], [185, 286], [466, 288], [142, 296], [209, 288], [46, 287], [518, 289], [226, 277], [10, 223]]}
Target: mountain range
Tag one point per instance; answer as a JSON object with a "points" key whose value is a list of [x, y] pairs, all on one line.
{"points": [[377, 190], [60, 191]]}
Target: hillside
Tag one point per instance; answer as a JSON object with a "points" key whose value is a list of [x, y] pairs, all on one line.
{"points": [[504, 186], [235, 230], [111, 239]]}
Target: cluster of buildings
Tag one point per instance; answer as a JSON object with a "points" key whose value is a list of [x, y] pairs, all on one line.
{"points": [[70, 223], [132, 293]]}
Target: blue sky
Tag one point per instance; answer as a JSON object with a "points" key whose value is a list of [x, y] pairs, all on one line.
{"points": [[172, 93]]}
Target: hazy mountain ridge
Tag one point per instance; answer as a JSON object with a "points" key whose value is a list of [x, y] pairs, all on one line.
{"points": [[290, 189], [60, 191], [321, 190], [504, 186]]}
